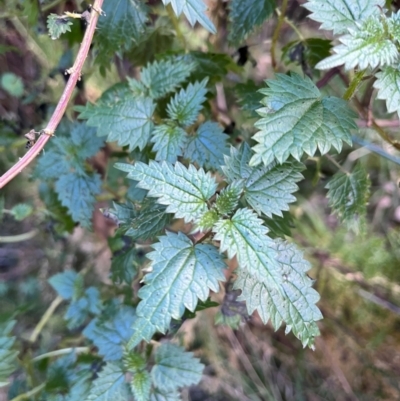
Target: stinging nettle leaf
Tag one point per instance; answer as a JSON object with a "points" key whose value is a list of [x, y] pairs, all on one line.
{"points": [[194, 11], [128, 122], [245, 15], [121, 25], [175, 368], [8, 356], [185, 106], [207, 146], [64, 283], [169, 141], [141, 385], [388, 85], [181, 273], [163, 395], [77, 193], [339, 15], [162, 77], [185, 190], [297, 119], [348, 195], [109, 336], [294, 302], [149, 222], [109, 385], [245, 237], [268, 189], [372, 43], [57, 25]]}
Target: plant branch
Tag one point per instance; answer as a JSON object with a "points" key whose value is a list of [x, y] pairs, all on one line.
{"points": [[281, 17], [18, 238], [64, 351], [45, 318], [75, 73], [30, 393]]}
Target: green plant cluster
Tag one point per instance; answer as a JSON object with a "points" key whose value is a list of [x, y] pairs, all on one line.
{"points": [[188, 191]]}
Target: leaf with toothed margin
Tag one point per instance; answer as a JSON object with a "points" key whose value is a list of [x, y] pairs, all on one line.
{"points": [[294, 304], [185, 106], [296, 119], [181, 273], [175, 368], [388, 85], [128, 121], [340, 15], [169, 141], [207, 146], [268, 189], [194, 11], [185, 190], [245, 237]]}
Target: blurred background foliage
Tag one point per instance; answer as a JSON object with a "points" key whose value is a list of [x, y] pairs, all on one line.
{"points": [[357, 356]]}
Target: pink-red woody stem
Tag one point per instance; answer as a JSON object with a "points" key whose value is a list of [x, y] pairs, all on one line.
{"points": [[63, 102]]}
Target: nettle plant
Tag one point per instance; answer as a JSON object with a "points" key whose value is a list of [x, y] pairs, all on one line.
{"points": [[195, 196]]}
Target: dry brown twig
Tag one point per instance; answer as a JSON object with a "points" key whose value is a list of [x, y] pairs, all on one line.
{"points": [[59, 111]]}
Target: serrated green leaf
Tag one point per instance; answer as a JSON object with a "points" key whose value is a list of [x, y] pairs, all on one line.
{"points": [[109, 385], [77, 193], [213, 66], [249, 97], [245, 15], [162, 395], [128, 122], [208, 220], [79, 309], [120, 27], [207, 146], [228, 199], [21, 211], [109, 336], [245, 237], [372, 43], [280, 226], [54, 163], [149, 222], [268, 189], [169, 141], [181, 273], [185, 106], [348, 195], [294, 303], [123, 266], [388, 85], [175, 368], [194, 11], [85, 141], [339, 15], [141, 385], [64, 283], [185, 190], [57, 25], [297, 119], [162, 77], [8, 356]]}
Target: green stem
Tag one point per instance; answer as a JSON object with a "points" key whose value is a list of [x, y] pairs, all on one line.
{"points": [[45, 318], [292, 25], [354, 84], [29, 394], [175, 23], [333, 161], [275, 37], [64, 351], [18, 238]]}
